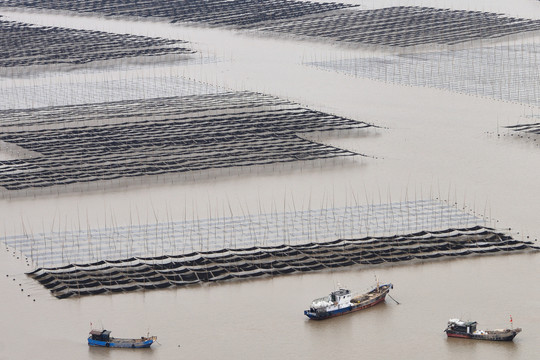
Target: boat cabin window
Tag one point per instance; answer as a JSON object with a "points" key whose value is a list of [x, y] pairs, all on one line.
{"points": [[460, 328]]}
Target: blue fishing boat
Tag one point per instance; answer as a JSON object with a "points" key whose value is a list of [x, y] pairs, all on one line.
{"points": [[103, 338], [342, 301]]}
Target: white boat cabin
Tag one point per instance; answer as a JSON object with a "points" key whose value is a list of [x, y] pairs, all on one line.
{"points": [[336, 300]]}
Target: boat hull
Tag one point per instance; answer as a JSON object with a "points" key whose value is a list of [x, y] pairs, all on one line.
{"points": [[343, 311], [315, 315], [498, 336], [122, 343]]}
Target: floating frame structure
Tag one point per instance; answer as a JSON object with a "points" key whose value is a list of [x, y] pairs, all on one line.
{"points": [[26, 45], [501, 72], [208, 12], [268, 229], [532, 128], [167, 271], [402, 26], [151, 137]]}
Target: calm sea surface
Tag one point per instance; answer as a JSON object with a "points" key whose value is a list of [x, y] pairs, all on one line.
{"points": [[431, 142], [264, 318]]}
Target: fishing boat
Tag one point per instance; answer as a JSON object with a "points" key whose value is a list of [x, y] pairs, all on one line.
{"points": [[103, 338], [342, 301], [467, 330]]}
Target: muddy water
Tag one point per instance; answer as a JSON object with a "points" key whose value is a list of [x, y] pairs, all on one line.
{"points": [[264, 318], [434, 144]]}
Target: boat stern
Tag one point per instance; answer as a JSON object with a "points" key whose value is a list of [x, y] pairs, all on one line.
{"points": [[310, 314], [146, 343]]}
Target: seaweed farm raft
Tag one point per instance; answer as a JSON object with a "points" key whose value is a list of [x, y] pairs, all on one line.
{"points": [[400, 26], [455, 71], [64, 146], [27, 45], [136, 273], [83, 245], [212, 253]]}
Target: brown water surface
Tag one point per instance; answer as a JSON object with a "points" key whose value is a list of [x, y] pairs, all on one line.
{"points": [[264, 318], [431, 144]]}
